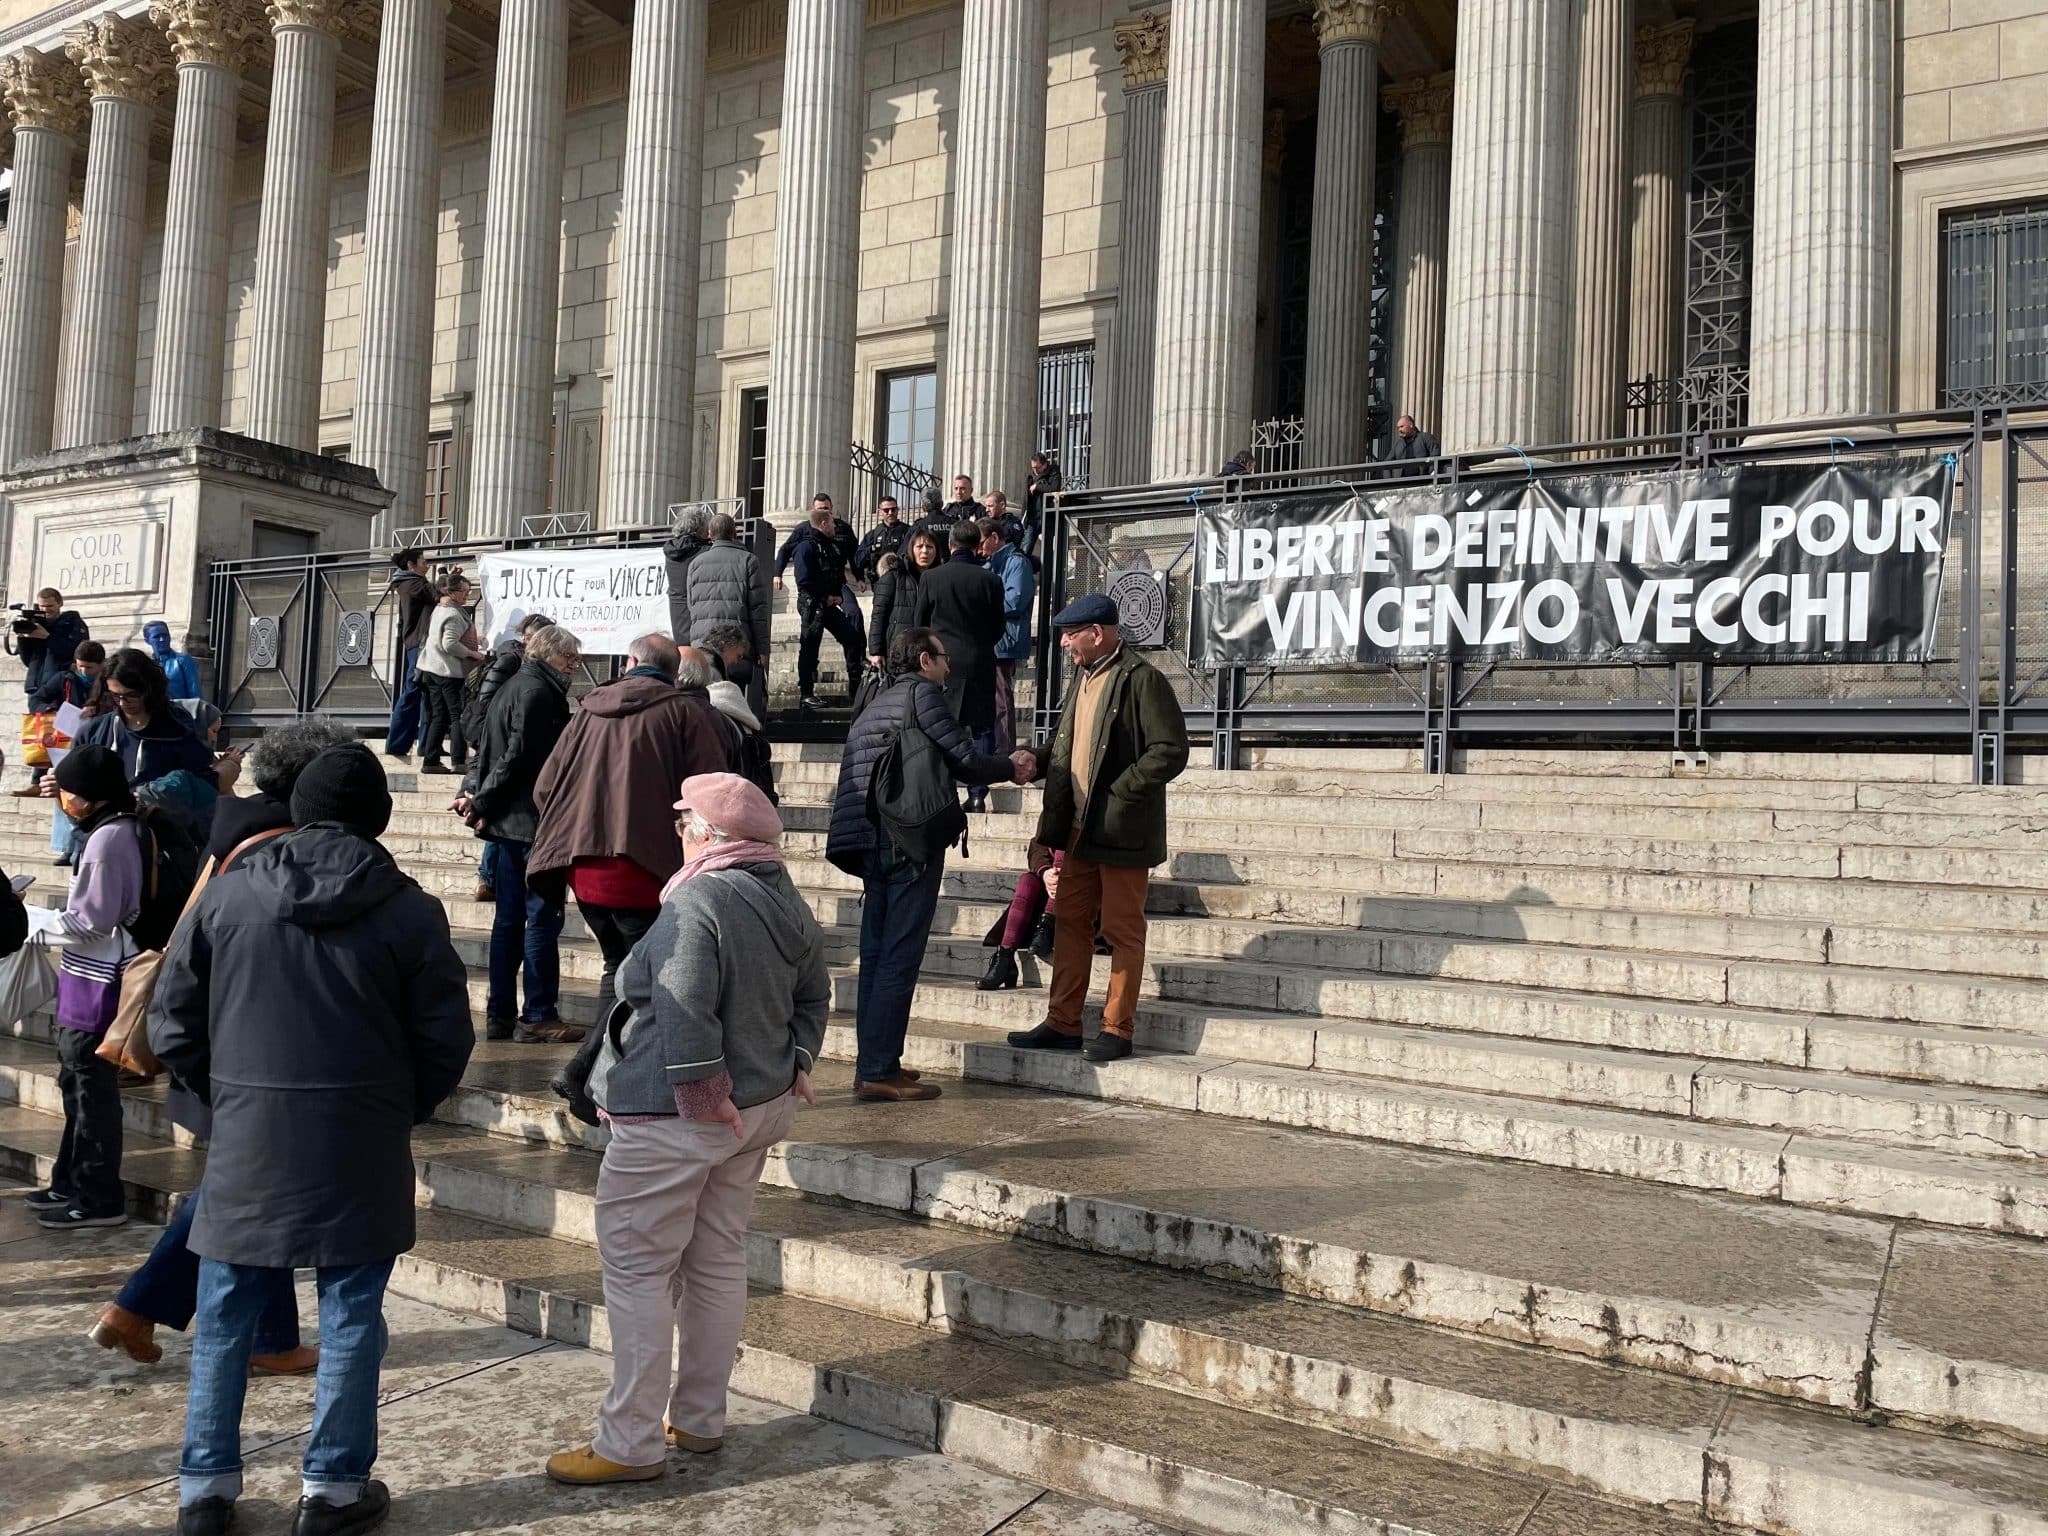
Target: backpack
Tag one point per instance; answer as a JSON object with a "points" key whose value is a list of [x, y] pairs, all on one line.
{"points": [[912, 798], [170, 869]]}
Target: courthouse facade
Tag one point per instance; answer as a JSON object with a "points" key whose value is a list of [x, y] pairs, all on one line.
{"points": [[523, 257]]}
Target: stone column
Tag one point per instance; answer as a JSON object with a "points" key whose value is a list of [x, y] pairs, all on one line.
{"points": [[989, 423], [1600, 226], [1656, 265], [1125, 457], [287, 337], [515, 342], [1337, 387], [126, 64], [1422, 226], [1504, 322], [654, 378], [1266, 296], [394, 365], [212, 40], [1822, 251], [46, 103], [1208, 237], [817, 259]]}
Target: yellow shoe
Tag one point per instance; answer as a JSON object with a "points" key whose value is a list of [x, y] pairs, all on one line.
{"points": [[695, 1444], [584, 1468]]}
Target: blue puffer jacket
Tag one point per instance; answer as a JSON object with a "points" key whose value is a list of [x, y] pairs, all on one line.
{"points": [[853, 836], [1020, 584]]}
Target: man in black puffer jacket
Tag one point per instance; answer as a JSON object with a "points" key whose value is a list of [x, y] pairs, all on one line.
{"points": [[899, 899], [724, 586], [684, 545], [526, 718]]}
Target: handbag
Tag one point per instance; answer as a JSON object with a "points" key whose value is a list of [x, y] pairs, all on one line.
{"points": [[27, 983], [36, 730], [126, 1042]]}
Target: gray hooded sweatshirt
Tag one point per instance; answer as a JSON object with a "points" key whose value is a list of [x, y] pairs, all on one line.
{"points": [[730, 979]]}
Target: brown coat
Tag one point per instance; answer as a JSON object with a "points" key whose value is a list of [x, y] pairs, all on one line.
{"points": [[609, 788]]}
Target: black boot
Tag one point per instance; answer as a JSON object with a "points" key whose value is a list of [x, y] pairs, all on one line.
{"points": [[1042, 941], [1001, 972]]}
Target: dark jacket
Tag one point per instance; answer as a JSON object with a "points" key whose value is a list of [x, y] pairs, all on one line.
{"points": [[525, 720], [609, 788], [725, 587], [822, 561], [1423, 445], [891, 607], [13, 918], [853, 835], [963, 601], [941, 525], [52, 658], [676, 556], [1036, 489], [415, 598], [314, 1001], [67, 687], [160, 749], [842, 541], [1140, 748], [882, 539]]}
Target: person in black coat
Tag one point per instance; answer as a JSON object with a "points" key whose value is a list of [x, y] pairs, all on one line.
{"points": [[314, 1000], [963, 601], [885, 538], [684, 545], [1411, 442], [896, 593], [49, 640], [898, 899], [823, 550], [526, 718]]}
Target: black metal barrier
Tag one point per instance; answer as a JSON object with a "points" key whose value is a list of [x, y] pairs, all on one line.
{"points": [[1987, 682]]}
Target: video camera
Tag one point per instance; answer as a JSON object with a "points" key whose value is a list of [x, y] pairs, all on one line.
{"points": [[24, 621]]}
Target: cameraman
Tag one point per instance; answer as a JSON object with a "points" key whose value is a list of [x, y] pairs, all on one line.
{"points": [[47, 637]]}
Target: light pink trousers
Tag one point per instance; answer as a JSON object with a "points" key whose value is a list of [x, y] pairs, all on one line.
{"points": [[673, 1201]]}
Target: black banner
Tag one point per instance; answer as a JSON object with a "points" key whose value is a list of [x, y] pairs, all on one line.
{"points": [[1753, 564]]}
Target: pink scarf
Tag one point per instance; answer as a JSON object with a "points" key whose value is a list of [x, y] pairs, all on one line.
{"points": [[722, 856]]}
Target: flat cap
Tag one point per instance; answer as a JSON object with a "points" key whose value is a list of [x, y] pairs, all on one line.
{"points": [[1092, 609]]}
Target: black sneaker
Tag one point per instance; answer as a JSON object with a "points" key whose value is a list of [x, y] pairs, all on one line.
{"points": [[1043, 1038], [317, 1517], [441, 768], [499, 1029], [46, 1200], [1107, 1047], [206, 1517], [76, 1216], [812, 701]]}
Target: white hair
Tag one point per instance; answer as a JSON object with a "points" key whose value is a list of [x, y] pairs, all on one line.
{"points": [[547, 644], [702, 831]]}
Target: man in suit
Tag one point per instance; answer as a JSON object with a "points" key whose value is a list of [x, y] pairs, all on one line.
{"points": [[963, 601]]}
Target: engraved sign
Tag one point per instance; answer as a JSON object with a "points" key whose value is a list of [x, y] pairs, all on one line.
{"points": [[100, 558]]}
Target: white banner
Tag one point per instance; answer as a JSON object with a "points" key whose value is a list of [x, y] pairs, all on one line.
{"points": [[607, 598]]}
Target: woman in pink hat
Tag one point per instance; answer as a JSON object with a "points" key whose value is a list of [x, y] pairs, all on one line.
{"points": [[721, 1012]]}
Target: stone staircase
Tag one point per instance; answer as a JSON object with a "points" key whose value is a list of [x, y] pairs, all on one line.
{"points": [[1529, 1151]]}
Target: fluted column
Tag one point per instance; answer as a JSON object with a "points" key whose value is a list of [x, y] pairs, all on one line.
{"points": [[1125, 455], [1504, 322], [394, 366], [46, 103], [1338, 385], [212, 40], [1600, 223], [286, 335], [1822, 251], [991, 412], [125, 63], [1655, 231], [817, 258], [654, 382], [1208, 237], [1422, 227], [515, 343]]}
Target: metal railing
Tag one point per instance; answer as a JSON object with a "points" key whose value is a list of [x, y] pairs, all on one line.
{"points": [[1986, 683], [876, 475]]}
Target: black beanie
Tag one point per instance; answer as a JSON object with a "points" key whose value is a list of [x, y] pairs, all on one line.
{"points": [[94, 774], [347, 785]]}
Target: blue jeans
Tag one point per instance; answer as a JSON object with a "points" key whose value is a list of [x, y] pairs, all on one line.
{"points": [[165, 1289], [896, 909], [405, 709], [343, 1446], [487, 864], [526, 925]]}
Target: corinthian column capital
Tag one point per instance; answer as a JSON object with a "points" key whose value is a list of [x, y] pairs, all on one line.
{"points": [[1662, 56], [43, 90], [223, 32], [1424, 107], [1141, 43], [1353, 21], [336, 16], [121, 56]]}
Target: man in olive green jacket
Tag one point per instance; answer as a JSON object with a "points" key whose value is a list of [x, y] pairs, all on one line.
{"points": [[1121, 741]]}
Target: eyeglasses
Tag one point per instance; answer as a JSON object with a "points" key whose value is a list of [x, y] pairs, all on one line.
{"points": [[121, 693]]}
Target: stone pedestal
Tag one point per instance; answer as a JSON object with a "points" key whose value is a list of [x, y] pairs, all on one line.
{"points": [[128, 531]]}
